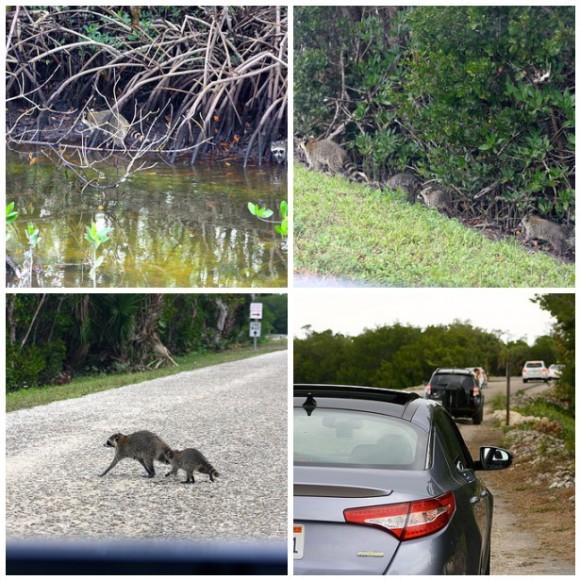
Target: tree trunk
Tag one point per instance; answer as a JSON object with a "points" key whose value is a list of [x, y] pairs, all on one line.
{"points": [[221, 321], [10, 318]]}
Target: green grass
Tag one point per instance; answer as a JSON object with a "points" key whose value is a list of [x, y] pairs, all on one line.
{"points": [[27, 398], [498, 403], [352, 231]]}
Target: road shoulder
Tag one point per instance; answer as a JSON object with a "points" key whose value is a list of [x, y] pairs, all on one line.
{"points": [[533, 526]]}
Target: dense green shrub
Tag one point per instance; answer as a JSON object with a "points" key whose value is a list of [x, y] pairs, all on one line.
{"points": [[34, 366], [72, 334], [480, 99], [563, 308]]}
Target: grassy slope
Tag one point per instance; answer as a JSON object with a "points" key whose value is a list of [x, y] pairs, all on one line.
{"points": [[27, 398], [347, 230]]}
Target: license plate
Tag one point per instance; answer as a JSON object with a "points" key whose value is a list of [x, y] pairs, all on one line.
{"points": [[298, 541]]}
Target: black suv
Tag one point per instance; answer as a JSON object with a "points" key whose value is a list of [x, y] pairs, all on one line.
{"points": [[458, 391]]}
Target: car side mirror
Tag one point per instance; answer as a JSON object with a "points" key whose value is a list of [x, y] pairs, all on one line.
{"points": [[493, 458]]}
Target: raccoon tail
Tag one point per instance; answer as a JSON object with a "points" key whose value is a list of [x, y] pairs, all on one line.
{"points": [[355, 174], [137, 137], [212, 472]]}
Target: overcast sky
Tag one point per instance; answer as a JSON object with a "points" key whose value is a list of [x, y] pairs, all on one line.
{"points": [[350, 311]]}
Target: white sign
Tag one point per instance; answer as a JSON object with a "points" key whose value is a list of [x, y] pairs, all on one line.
{"points": [[256, 310], [255, 329]]}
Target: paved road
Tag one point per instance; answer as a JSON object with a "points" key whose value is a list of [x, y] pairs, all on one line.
{"points": [[236, 413], [497, 386], [316, 281]]}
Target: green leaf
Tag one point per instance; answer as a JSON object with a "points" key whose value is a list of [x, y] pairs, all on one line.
{"points": [[11, 215], [284, 209], [282, 229]]}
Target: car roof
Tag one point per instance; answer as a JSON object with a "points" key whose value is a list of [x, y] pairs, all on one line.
{"points": [[453, 372], [405, 405], [356, 392]]}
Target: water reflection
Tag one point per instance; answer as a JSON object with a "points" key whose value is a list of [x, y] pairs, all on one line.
{"points": [[171, 226]]}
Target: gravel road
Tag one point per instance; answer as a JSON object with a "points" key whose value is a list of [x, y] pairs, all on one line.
{"points": [[235, 413], [523, 541]]}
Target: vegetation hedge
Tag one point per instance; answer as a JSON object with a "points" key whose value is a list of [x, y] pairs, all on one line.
{"points": [[480, 99]]}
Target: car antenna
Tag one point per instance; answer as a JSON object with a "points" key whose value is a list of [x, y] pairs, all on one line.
{"points": [[310, 404]]}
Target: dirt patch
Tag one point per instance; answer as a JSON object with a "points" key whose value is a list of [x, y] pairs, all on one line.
{"points": [[533, 522]]}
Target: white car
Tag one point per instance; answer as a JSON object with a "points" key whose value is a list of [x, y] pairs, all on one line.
{"points": [[555, 371], [535, 370]]}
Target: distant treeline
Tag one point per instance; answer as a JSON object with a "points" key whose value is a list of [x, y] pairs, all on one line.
{"points": [[53, 337], [402, 356]]}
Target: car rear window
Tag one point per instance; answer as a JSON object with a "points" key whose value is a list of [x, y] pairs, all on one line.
{"points": [[442, 381], [534, 365], [356, 438]]}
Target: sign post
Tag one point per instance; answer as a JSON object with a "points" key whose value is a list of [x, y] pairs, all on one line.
{"points": [[255, 324], [508, 394]]}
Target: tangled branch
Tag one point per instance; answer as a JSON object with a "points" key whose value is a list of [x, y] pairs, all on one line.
{"points": [[197, 80]]}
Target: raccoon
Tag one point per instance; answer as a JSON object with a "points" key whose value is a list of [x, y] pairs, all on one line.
{"points": [[112, 124], [143, 446], [407, 182], [189, 460], [542, 229], [327, 153], [436, 198], [278, 150]]}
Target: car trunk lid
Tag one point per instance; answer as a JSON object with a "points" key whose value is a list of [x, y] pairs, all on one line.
{"points": [[324, 542]]}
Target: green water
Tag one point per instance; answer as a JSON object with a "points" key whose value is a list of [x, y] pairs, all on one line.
{"points": [[171, 226]]}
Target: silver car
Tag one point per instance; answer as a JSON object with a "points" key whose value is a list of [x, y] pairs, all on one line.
{"points": [[555, 371], [384, 484]]}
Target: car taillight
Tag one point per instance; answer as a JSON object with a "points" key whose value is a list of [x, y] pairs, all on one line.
{"points": [[406, 521], [428, 389], [476, 391]]}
